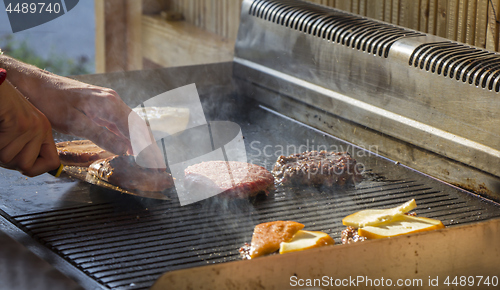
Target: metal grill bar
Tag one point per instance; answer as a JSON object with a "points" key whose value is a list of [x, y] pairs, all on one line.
{"points": [[129, 242], [130, 249]]}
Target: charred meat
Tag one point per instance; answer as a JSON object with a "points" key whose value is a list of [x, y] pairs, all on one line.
{"points": [[316, 168]]}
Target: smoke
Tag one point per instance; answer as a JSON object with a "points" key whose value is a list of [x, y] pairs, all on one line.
{"points": [[175, 122]]}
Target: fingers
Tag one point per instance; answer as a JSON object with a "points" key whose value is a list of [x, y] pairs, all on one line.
{"points": [[107, 109], [47, 159], [117, 112], [10, 151], [140, 140], [110, 126], [24, 130], [31, 154], [23, 158], [144, 147], [36, 157], [64, 98], [108, 140], [104, 138], [103, 108], [82, 110]]}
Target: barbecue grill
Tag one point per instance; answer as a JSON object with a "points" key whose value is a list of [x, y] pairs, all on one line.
{"points": [[417, 111]]}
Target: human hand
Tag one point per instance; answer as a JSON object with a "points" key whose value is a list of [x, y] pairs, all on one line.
{"points": [[26, 142], [73, 107], [98, 114], [82, 110]]}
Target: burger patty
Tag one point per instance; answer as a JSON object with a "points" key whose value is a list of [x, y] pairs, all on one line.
{"points": [[80, 152], [123, 171], [228, 179], [316, 168]]}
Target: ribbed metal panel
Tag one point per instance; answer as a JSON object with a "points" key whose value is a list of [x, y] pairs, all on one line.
{"points": [[463, 63], [333, 25]]}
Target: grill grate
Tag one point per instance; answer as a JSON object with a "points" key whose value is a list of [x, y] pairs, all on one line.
{"points": [[126, 242], [131, 249]]}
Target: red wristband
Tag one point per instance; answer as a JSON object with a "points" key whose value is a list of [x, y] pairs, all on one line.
{"points": [[3, 75]]}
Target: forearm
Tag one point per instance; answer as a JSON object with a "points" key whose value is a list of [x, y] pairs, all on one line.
{"points": [[73, 107], [28, 79]]}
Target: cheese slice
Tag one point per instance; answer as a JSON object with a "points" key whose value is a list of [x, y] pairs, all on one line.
{"points": [[169, 120], [304, 240], [400, 224], [374, 217]]}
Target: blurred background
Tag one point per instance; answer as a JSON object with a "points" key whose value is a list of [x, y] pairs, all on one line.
{"points": [[113, 35], [65, 45]]}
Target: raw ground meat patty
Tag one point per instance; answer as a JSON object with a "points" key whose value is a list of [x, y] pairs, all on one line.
{"points": [[230, 179], [123, 171], [316, 168], [80, 152]]}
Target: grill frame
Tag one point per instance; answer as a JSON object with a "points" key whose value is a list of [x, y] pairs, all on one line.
{"points": [[388, 95], [288, 88], [74, 231], [98, 266]]}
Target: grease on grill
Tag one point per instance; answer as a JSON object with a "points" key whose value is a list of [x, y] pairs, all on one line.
{"points": [[245, 252], [350, 235], [316, 168]]}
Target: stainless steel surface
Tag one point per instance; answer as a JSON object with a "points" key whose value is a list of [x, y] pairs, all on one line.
{"points": [[309, 53], [361, 86], [127, 242], [21, 195], [17, 263], [414, 261], [431, 163], [81, 173], [32, 251]]}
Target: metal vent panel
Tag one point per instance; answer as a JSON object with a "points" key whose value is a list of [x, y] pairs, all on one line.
{"points": [[461, 62], [333, 25]]}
